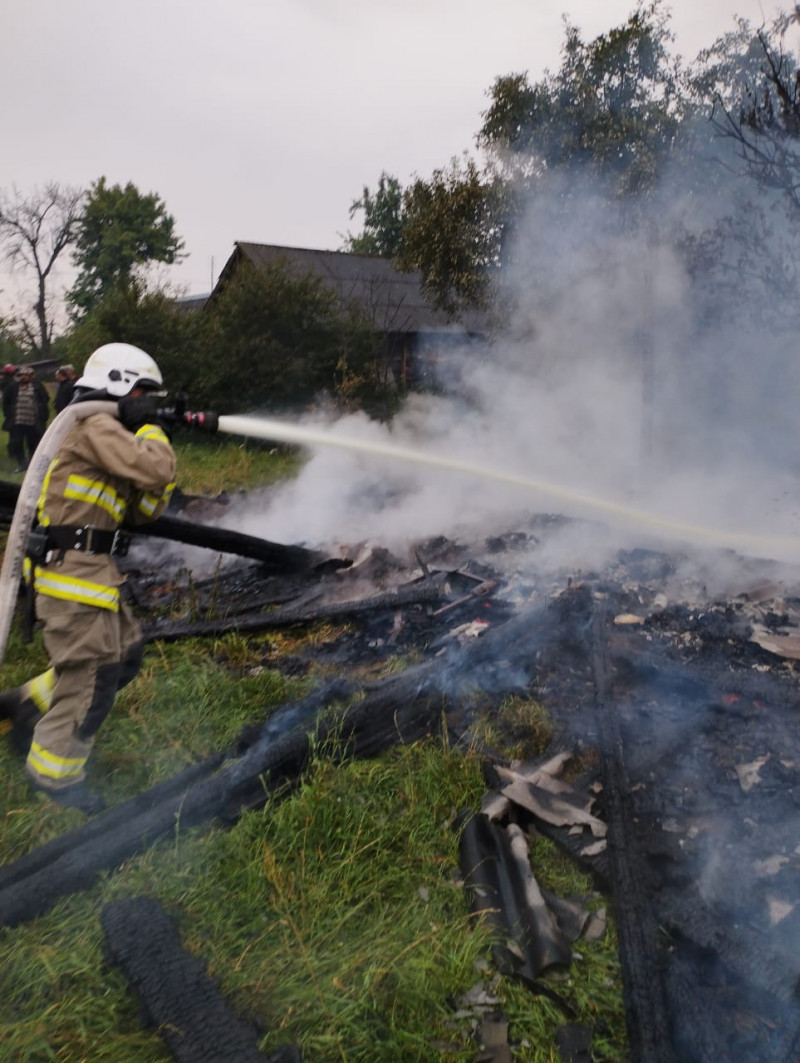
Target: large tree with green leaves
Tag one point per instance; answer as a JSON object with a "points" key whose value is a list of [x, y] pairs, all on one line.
{"points": [[612, 106], [34, 231], [121, 231]]}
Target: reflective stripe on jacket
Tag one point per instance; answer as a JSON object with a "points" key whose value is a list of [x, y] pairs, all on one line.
{"points": [[102, 474]]}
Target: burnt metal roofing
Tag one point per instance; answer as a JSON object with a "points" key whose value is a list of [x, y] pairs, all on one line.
{"points": [[393, 300]]}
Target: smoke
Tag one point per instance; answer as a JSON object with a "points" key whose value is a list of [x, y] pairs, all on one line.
{"points": [[652, 390]]}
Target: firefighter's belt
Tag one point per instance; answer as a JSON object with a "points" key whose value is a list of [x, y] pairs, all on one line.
{"points": [[86, 539]]}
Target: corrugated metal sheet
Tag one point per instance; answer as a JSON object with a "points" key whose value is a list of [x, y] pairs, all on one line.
{"points": [[393, 300]]}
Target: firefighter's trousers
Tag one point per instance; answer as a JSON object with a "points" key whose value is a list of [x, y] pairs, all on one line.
{"points": [[93, 654]]}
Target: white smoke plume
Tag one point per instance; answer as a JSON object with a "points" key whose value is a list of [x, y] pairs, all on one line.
{"points": [[657, 408]]}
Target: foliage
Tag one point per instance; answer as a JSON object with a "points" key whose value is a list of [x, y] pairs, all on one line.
{"points": [[34, 230], [274, 339], [613, 107], [151, 320], [120, 230], [453, 233], [10, 347], [752, 81], [610, 107], [384, 219], [736, 172]]}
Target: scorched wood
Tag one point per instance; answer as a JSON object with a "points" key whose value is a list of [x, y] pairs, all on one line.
{"points": [[401, 708], [178, 996], [418, 594]]}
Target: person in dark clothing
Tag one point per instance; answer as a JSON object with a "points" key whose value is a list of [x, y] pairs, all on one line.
{"points": [[7, 376], [25, 408], [66, 377], [6, 381]]}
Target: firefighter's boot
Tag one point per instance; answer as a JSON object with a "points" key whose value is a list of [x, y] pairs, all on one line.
{"points": [[76, 796], [10, 701]]}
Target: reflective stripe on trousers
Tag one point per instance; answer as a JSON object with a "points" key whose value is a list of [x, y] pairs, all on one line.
{"points": [[71, 589], [93, 653], [44, 765], [40, 689]]}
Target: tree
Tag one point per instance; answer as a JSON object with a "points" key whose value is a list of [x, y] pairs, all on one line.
{"points": [[754, 86], [384, 219], [34, 230], [121, 231], [273, 339], [151, 320], [738, 157], [453, 233], [612, 107]]}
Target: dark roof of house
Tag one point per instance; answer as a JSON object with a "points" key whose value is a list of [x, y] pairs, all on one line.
{"points": [[393, 300], [191, 302]]}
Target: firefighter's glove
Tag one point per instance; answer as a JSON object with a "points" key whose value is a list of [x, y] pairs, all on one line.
{"points": [[136, 412]]}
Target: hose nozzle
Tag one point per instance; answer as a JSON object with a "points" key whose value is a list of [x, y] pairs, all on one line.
{"points": [[178, 416], [205, 421]]}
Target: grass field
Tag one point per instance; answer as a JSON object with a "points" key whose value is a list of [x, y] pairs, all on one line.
{"points": [[334, 917]]}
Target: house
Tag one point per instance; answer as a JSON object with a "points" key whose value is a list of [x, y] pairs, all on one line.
{"points": [[415, 333]]}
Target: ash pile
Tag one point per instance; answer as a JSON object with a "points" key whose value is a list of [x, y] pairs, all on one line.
{"points": [[687, 693]]}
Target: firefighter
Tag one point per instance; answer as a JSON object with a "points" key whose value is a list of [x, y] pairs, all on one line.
{"points": [[108, 470]]}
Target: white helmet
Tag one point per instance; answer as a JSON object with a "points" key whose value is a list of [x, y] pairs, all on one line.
{"points": [[118, 368]]}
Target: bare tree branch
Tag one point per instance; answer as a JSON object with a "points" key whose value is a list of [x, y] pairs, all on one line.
{"points": [[34, 230], [766, 125]]}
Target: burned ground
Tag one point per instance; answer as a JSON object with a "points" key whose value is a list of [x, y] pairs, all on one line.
{"points": [[693, 725], [681, 701]]}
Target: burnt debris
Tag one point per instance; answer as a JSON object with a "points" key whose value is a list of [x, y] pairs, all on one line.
{"points": [[176, 992], [683, 701]]}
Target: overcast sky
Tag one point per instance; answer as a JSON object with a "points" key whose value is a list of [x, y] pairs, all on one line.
{"points": [[262, 120]]}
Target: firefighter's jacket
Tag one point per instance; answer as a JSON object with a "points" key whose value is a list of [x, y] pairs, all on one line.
{"points": [[103, 475]]}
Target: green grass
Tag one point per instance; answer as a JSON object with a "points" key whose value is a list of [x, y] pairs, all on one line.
{"points": [[335, 917], [209, 465]]}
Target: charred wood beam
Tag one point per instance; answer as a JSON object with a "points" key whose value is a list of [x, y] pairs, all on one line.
{"points": [[283, 721], [178, 996], [418, 594], [402, 708], [643, 990], [45, 855], [743, 951]]}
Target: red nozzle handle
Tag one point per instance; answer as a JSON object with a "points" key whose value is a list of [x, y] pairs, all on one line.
{"points": [[206, 421]]}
